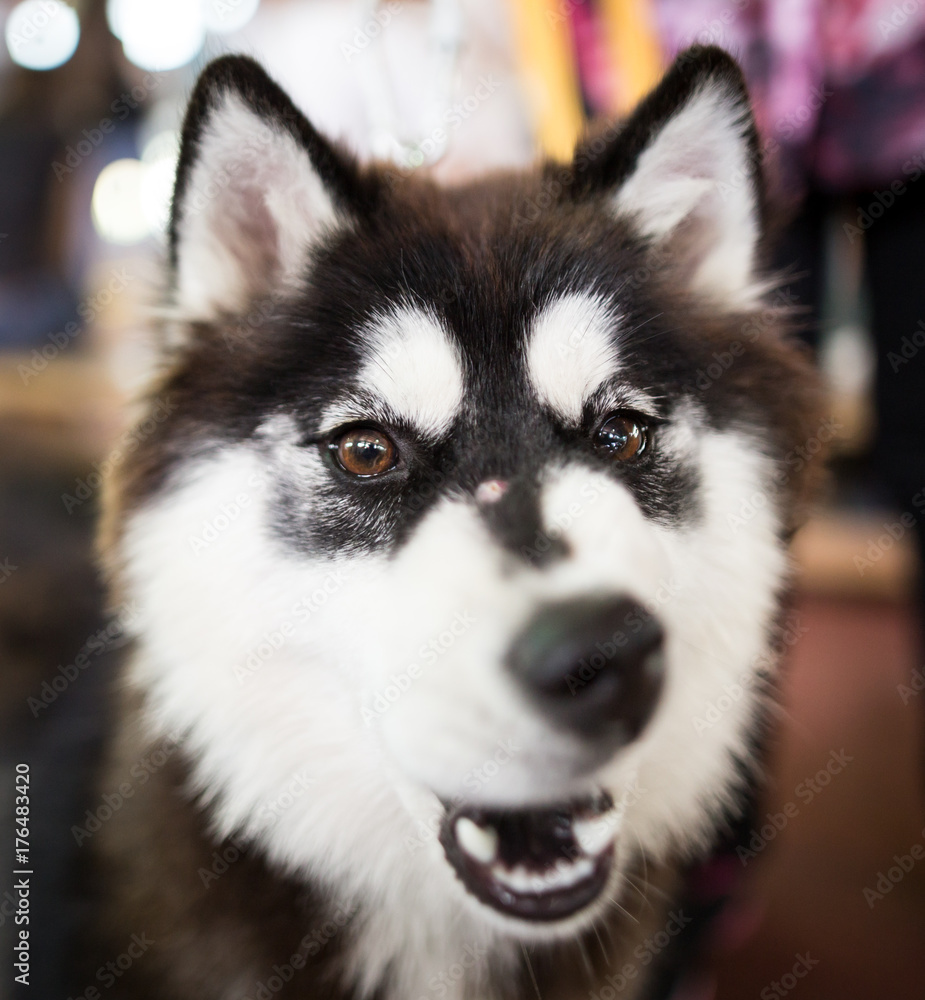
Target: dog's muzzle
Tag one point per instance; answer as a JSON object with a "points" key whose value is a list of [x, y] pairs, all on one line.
{"points": [[595, 667]]}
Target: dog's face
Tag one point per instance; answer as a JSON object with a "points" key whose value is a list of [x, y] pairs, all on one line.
{"points": [[458, 544]]}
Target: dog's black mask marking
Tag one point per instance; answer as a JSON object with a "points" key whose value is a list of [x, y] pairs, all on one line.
{"points": [[502, 431]]}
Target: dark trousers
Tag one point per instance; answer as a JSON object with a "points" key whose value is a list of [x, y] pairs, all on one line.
{"points": [[894, 264], [893, 247]]}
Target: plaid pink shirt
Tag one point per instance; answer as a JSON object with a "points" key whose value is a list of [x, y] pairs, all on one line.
{"points": [[838, 85]]}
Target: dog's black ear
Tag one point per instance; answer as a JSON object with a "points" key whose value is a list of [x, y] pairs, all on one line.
{"points": [[685, 167], [256, 187]]}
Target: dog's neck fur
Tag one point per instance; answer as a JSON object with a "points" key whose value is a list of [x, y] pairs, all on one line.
{"points": [[227, 924], [220, 917]]}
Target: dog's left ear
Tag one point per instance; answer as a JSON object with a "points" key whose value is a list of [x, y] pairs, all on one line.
{"points": [[685, 167], [257, 187]]}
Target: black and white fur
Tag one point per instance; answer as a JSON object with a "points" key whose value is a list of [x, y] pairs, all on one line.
{"points": [[489, 327]]}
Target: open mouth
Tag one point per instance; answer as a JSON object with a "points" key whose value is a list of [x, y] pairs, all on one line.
{"points": [[534, 864]]}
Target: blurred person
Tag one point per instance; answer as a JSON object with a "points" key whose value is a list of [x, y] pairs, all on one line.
{"points": [[42, 115], [839, 92]]}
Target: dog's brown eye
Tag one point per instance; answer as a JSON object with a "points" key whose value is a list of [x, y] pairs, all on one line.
{"points": [[622, 437], [364, 451]]}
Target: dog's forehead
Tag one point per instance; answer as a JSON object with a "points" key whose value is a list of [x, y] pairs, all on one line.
{"points": [[410, 368], [421, 370], [571, 351]]}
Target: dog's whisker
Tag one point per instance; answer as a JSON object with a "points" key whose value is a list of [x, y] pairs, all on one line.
{"points": [[622, 909], [643, 857], [586, 959], [536, 987], [597, 934], [631, 882]]}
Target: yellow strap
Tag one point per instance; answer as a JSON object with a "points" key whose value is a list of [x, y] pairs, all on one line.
{"points": [[549, 74], [634, 48]]}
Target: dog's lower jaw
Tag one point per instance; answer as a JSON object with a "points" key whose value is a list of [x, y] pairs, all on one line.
{"points": [[224, 921]]}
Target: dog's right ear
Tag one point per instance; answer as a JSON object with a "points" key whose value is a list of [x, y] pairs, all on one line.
{"points": [[257, 186]]}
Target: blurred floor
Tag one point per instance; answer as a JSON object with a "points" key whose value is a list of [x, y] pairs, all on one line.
{"points": [[847, 679]]}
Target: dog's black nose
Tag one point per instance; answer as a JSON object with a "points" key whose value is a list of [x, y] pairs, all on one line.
{"points": [[594, 665]]}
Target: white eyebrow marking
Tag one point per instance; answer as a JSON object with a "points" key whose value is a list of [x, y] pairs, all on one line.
{"points": [[571, 352], [414, 368]]}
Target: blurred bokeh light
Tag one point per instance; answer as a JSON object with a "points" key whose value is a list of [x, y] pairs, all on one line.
{"points": [[42, 34]]}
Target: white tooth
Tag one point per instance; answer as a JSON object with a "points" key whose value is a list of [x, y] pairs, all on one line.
{"points": [[594, 836], [536, 883], [479, 842], [518, 879]]}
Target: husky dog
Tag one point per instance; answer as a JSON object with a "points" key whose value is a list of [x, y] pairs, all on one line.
{"points": [[455, 553]]}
